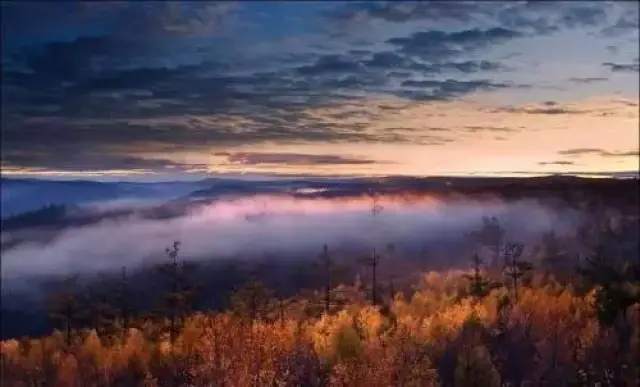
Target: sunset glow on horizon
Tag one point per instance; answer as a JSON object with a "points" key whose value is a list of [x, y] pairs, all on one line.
{"points": [[172, 90]]}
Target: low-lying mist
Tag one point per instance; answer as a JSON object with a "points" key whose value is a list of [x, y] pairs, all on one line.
{"points": [[277, 226]]}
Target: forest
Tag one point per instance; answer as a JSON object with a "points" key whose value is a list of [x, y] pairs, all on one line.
{"points": [[565, 312]]}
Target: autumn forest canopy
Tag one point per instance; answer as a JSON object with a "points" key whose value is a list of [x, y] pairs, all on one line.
{"points": [[544, 305], [320, 193]]}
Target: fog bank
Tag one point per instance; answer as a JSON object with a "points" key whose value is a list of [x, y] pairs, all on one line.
{"points": [[275, 226]]}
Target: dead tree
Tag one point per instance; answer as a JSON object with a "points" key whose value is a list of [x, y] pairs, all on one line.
{"points": [[327, 263], [177, 298], [374, 260], [330, 272]]}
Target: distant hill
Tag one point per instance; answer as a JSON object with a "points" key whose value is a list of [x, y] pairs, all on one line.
{"points": [[61, 204], [24, 195]]}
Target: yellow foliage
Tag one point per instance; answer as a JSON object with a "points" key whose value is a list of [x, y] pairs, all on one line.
{"points": [[358, 345]]}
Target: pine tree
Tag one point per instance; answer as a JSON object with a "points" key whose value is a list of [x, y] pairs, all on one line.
{"points": [[123, 302], [617, 284], [102, 314], [176, 301], [252, 300], [327, 263], [329, 270], [373, 261], [66, 309], [516, 268], [474, 366], [479, 286]]}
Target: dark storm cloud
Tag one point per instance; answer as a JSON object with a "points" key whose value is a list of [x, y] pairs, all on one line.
{"points": [[255, 158]]}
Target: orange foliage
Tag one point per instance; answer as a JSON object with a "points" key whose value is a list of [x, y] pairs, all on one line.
{"points": [[432, 337]]}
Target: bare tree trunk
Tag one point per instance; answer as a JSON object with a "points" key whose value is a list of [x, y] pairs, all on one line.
{"points": [[327, 295], [374, 264]]}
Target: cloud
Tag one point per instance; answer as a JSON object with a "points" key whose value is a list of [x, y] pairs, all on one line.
{"points": [[391, 60], [87, 161], [606, 174], [127, 19], [625, 22], [442, 90], [470, 66], [331, 64], [560, 162], [436, 45], [502, 129], [547, 108], [623, 67], [403, 11], [532, 17], [587, 79], [596, 107], [599, 152], [247, 158], [118, 78]]}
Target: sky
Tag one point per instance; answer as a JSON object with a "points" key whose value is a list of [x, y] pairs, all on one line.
{"points": [[170, 90]]}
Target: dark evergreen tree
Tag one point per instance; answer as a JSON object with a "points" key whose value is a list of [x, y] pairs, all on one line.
{"points": [[102, 314], [123, 302], [327, 264], [66, 308], [373, 262], [617, 284], [252, 300], [479, 284], [516, 268]]}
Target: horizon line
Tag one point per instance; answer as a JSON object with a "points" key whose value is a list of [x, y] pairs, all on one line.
{"points": [[194, 177]]}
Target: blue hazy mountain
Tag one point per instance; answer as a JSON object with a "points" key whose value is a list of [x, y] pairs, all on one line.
{"points": [[24, 195], [32, 202]]}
